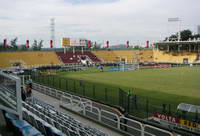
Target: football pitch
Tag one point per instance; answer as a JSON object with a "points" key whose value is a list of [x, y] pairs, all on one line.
{"points": [[173, 85]]}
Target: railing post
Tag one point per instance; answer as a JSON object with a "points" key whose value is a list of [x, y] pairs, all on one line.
{"points": [[84, 113], [142, 131], [118, 123], [100, 116]]}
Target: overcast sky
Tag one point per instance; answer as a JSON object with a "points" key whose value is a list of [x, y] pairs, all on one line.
{"points": [[98, 20]]}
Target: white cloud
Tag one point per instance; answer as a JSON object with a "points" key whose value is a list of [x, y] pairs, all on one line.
{"points": [[117, 21]]}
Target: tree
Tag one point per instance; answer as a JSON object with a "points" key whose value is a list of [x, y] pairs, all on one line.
{"points": [[13, 43], [196, 36], [34, 45], [186, 35], [173, 37], [40, 45]]}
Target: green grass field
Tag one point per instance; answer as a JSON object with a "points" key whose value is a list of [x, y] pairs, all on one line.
{"points": [[169, 86], [172, 84]]}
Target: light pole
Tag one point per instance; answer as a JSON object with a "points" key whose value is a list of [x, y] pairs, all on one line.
{"points": [[179, 25]]}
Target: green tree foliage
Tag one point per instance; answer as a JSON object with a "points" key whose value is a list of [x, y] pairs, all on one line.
{"points": [[173, 37], [185, 35], [196, 36], [13, 43], [40, 45], [37, 45]]}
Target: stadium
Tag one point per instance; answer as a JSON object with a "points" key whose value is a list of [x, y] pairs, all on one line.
{"points": [[106, 68], [149, 91]]}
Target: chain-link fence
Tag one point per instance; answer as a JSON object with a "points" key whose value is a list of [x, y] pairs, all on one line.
{"points": [[95, 91], [137, 105]]}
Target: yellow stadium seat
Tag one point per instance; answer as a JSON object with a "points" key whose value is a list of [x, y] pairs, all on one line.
{"points": [[29, 59]]}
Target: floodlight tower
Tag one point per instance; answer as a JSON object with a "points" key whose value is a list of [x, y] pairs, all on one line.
{"points": [[179, 25], [52, 29]]}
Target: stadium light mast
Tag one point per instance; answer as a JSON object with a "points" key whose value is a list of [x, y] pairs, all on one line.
{"points": [[52, 29], [179, 25]]}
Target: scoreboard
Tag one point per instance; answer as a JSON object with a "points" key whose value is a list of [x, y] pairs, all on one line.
{"points": [[73, 42]]}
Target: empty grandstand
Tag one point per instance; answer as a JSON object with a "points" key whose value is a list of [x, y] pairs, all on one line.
{"points": [[38, 112], [29, 59], [107, 56], [78, 57], [126, 56]]}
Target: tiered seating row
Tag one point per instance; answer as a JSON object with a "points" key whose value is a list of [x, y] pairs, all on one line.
{"points": [[74, 58], [129, 56], [69, 58], [146, 55], [162, 56], [20, 127], [106, 56], [29, 59], [61, 121], [92, 56]]}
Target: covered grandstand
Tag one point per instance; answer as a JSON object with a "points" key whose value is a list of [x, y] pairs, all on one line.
{"points": [[183, 52]]}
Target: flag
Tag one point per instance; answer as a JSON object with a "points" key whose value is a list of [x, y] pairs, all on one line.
{"points": [[51, 43], [127, 44], [27, 43], [147, 44], [107, 44], [5, 43], [89, 44]]}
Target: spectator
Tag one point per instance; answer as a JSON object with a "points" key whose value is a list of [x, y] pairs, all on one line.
{"points": [[29, 90], [23, 94], [30, 85]]}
